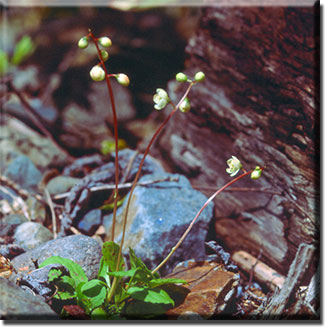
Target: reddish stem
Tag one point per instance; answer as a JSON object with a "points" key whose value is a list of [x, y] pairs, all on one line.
{"points": [[115, 125], [175, 108], [196, 216]]}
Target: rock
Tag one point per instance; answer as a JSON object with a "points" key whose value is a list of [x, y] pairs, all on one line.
{"points": [[31, 234], [82, 198], [81, 249], [37, 280], [22, 170], [211, 289], [90, 222], [159, 214], [61, 184], [11, 250], [18, 304], [18, 138], [10, 222]]}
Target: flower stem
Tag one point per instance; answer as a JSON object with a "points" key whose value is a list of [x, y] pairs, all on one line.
{"points": [[160, 128], [115, 125], [195, 218]]}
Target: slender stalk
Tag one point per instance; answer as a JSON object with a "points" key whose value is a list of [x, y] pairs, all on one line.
{"points": [[160, 128], [195, 218], [115, 125]]}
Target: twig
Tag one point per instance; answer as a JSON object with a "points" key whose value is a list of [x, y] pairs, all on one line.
{"points": [[52, 211], [243, 189], [262, 272], [120, 186]]}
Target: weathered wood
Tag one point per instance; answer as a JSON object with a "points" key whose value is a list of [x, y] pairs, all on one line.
{"points": [[259, 102], [278, 307]]}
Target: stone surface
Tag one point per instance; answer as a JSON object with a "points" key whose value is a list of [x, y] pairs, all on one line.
{"points": [[81, 249], [30, 235], [18, 138], [10, 222], [22, 170], [90, 222], [18, 304], [158, 216], [211, 289], [82, 198], [61, 184]]}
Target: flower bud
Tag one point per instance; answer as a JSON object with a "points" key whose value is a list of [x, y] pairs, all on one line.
{"points": [[105, 41], [199, 76], [181, 77], [83, 42], [97, 73], [256, 174], [104, 55], [234, 166], [185, 105], [122, 79]]}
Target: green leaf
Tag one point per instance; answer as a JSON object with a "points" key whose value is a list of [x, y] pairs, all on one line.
{"points": [[103, 272], [91, 294], [75, 270], [54, 274], [124, 273], [99, 314], [4, 63], [23, 49], [138, 263], [154, 295], [110, 251], [160, 281]]}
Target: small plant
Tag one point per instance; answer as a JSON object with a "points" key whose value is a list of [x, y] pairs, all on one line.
{"points": [[22, 50], [110, 294], [94, 296]]}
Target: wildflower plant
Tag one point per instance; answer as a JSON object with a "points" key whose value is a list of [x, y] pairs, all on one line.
{"points": [[116, 285]]}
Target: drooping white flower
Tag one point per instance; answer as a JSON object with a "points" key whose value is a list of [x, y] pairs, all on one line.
{"points": [[234, 166]]}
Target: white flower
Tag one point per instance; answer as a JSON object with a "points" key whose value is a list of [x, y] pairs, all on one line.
{"points": [[161, 99], [234, 166]]}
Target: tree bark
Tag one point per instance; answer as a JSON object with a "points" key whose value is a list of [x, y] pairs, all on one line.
{"points": [[259, 102]]}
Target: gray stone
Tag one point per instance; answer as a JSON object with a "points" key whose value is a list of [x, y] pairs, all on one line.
{"points": [[10, 222], [61, 184], [22, 170], [30, 235], [81, 249], [90, 222], [18, 304], [159, 214]]}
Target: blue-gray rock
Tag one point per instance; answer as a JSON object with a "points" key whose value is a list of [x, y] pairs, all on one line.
{"points": [[22, 170], [61, 184], [159, 214], [18, 304], [37, 280], [83, 250], [30, 235], [10, 222], [90, 222]]}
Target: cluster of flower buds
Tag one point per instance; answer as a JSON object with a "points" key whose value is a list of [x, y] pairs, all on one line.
{"points": [[181, 77], [97, 73]]}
